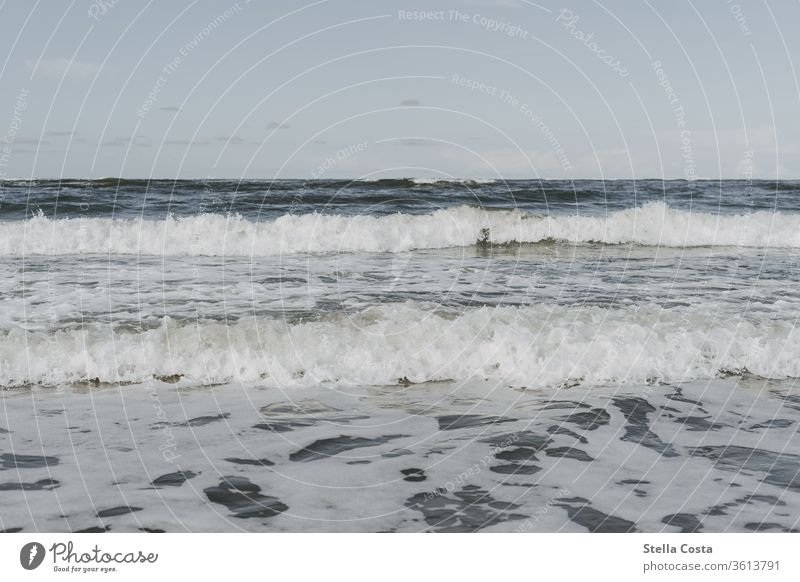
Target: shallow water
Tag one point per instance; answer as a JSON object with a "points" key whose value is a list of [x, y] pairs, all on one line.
{"points": [[717, 455], [399, 355]]}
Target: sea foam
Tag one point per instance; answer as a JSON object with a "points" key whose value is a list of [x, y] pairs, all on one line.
{"points": [[654, 224], [532, 346]]}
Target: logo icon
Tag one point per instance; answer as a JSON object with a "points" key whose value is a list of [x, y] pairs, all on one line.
{"points": [[31, 555]]}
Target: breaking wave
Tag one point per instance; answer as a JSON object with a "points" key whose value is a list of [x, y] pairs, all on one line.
{"points": [[654, 224], [533, 346]]}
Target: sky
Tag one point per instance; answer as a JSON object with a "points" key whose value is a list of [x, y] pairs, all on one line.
{"points": [[346, 89]]}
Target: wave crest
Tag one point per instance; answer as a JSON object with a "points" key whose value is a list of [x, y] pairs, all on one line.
{"points": [[532, 346], [654, 224]]}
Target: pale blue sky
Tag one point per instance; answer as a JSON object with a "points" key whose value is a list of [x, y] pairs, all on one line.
{"points": [[341, 88]]}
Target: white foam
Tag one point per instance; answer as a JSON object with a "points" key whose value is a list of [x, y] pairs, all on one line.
{"points": [[538, 345], [217, 235], [426, 181]]}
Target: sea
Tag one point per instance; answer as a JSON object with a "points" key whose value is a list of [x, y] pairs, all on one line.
{"points": [[404, 355]]}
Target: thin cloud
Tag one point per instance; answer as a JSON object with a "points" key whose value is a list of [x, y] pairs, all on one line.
{"points": [[125, 141], [186, 142], [417, 142], [233, 139], [276, 125], [30, 141], [410, 102]]}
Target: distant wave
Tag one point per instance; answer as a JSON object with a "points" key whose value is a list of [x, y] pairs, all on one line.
{"points": [[654, 224], [244, 184], [533, 346], [468, 181], [401, 183]]}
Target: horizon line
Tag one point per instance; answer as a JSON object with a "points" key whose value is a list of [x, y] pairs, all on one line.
{"points": [[352, 179]]}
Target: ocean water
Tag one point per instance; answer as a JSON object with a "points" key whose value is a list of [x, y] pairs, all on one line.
{"points": [[399, 355]]}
